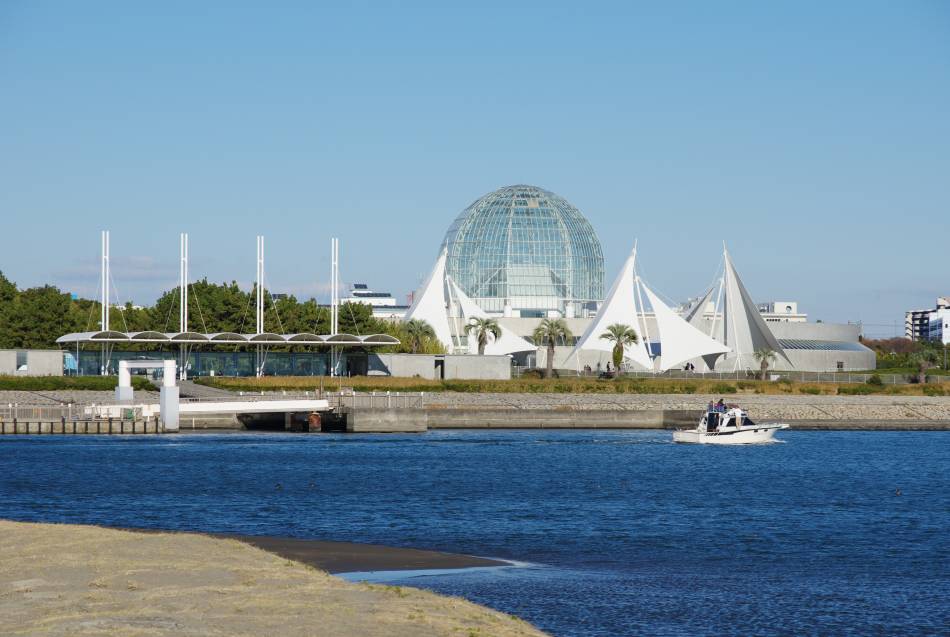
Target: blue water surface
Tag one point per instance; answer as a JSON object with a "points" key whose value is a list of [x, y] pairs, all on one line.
{"points": [[830, 533]]}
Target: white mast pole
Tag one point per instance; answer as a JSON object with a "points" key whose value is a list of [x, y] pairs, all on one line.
{"points": [[643, 311], [104, 291], [183, 284], [260, 285], [260, 301], [183, 302], [334, 299], [104, 319]]}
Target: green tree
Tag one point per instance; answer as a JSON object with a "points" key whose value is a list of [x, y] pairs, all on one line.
{"points": [[357, 318], [551, 332], [621, 336], [7, 290], [764, 356], [482, 328], [36, 318]]}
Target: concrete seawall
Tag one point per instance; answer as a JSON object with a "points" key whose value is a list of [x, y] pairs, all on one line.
{"points": [[382, 420], [559, 419]]}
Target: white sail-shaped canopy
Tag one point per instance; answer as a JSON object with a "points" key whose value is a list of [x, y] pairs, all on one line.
{"points": [[744, 329], [694, 313], [507, 343], [429, 303], [620, 306], [680, 341]]}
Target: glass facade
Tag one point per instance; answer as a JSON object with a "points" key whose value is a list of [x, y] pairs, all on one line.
{"points": [[528, 248], [202, 363]]}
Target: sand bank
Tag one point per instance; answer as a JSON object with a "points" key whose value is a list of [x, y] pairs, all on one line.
{"points": [[83, 580]]}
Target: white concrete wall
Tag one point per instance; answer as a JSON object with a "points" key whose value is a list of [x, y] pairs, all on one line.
{"points": [[401, 365], [39, 362], [44, 362], [7, 362], [477, 367]]}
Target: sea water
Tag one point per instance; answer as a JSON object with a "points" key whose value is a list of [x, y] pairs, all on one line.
{"points": [[615, 532]]}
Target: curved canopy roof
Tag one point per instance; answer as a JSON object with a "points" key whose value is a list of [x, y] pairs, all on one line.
{"points": [[228, 338]]}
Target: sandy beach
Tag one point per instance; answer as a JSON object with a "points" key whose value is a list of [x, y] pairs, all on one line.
{"points": [[83, 580]]}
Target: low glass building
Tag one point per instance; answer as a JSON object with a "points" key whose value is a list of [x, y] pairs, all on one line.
{"points": [[525, 251]]}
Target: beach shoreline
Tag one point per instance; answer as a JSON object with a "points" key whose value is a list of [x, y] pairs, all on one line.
{"points": [[85, 580]]}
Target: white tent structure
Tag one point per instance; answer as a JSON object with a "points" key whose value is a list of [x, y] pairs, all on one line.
{"points": [[679, 340], [694, 313], [429, 303], [507, 343], [620, 306], [744, 331]]}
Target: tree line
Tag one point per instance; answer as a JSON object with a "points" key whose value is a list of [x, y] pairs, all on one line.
{"points": [[34, 318]]}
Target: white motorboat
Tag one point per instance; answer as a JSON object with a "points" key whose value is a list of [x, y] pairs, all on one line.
{"points": [[730, 427]]}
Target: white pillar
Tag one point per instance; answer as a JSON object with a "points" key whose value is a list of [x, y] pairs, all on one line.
{"points": [[123, 390], [168, 398]]}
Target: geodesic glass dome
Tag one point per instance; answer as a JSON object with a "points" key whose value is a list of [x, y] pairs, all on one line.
{"points": [[529, 249]]}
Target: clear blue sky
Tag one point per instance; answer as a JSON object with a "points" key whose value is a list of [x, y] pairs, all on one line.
{"points": [[813, 136]]}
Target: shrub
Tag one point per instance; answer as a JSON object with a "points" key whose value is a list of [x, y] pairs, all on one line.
{"points": [[933, 390], [814, 391], [723, 388], [745, 384], [53, 383], [876, 380]]}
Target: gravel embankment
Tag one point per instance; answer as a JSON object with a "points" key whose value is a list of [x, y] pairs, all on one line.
{"points": [[763, 406]]}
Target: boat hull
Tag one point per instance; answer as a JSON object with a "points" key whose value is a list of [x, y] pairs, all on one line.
{"points": [[758, 434]]}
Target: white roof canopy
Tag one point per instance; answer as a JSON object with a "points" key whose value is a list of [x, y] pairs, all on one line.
{"points": [[507, 343], [429, 303], [679, 341], [620, 306], [745, 330], [227, 338]]}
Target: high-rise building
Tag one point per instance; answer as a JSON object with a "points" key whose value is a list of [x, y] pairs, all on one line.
{"points": [[917, 322]]}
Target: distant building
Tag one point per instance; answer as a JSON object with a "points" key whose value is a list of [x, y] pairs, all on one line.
{"points": [[782, 312], [917, 322], [939, 326], [384, 304]]}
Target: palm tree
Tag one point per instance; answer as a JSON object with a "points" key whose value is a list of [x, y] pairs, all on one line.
{"points": [[482, 328], [550, 331], [620, 335], [923, 361], [764, 356], [417, 332]]}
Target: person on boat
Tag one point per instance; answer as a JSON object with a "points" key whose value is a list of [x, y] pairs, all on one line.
{"points": [[710, 407], [721, 406]]}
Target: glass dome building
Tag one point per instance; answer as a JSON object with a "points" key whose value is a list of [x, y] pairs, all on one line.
{"points": [[526, 251]]}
